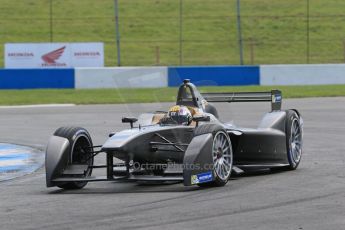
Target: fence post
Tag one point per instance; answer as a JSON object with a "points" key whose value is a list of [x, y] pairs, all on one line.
{"points": [[51, 19], [308, 37], [252, 54], [239, 31], [344, 49], [157, 55], [117, 33], [181, 30]]}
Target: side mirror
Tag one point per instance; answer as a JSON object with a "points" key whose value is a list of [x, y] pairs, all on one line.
{"points": [[197, 119], [130, 120]]}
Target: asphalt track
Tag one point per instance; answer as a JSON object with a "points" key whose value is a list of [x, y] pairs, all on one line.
{"points": [[312, 197]]}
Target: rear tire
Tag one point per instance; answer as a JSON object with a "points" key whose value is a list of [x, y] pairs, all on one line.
{"points": [[294, 139], [80, 152]]}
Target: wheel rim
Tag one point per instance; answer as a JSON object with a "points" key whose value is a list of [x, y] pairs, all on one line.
{"points": [[296, 141], [80, 155], [222, 155]]}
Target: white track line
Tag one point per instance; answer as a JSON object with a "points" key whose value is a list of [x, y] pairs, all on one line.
{"points": [[5, 152], [35, 106], [12, 163]]}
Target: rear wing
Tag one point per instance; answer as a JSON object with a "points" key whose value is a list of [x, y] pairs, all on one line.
{"points": [[275, 97]]}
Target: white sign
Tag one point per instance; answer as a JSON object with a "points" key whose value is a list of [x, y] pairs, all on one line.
{"points": [[54, 55]]}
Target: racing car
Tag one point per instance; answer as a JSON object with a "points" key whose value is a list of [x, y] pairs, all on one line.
{"points": [[186, 144]]}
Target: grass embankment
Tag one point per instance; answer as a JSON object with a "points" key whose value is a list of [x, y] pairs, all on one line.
{"points": [[113, 96], [276, 31]]}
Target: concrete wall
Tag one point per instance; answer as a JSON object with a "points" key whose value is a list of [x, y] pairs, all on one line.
{"points": [[150, 77], [123, 77], [215, 75], [36, 78], [302, 74]]}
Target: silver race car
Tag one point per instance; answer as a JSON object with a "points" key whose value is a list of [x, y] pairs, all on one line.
{"points": [[186, 144]]}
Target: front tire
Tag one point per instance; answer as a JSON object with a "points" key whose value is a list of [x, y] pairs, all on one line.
{"points": [[222, 154], [222, 158], [80, 152]]}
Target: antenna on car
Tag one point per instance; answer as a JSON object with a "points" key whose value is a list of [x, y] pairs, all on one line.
{"points": [[185, 81]]}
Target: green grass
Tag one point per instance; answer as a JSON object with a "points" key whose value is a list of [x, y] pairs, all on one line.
{"points": [[111, 96], [274, 30]]}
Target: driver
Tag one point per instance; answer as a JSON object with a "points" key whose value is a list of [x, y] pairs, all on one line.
{"points": [[179, 115]]}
